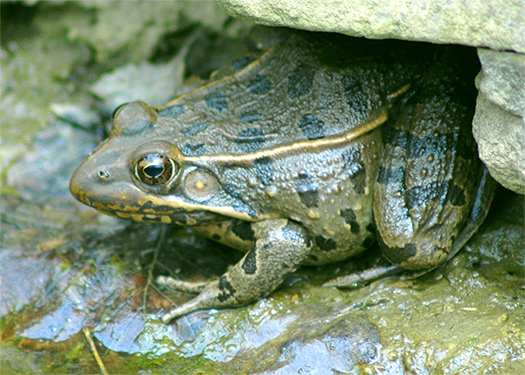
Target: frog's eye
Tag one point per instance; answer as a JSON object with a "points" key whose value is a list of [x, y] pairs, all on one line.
{"points": [[155, 169]]}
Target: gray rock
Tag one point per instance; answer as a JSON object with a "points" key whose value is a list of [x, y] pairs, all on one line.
{"points": [[496, 24], [502, 79], [499, 122]]}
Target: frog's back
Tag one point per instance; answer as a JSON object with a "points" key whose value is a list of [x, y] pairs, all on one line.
{"points": [[308, 87]]}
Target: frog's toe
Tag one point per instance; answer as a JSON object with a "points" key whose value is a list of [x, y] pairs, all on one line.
{"points": [[182, 286], [356, 280], [202, 301]]}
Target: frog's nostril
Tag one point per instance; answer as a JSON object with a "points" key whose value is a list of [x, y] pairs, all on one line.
{"points": [[103, 174]]}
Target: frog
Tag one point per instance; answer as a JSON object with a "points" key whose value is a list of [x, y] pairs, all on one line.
{"points": [[307, 154]]}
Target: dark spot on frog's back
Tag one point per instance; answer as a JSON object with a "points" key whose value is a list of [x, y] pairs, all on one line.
{"points": [[355, 93], [312, 127], [325, 244], [141, 126], [350, 218], [250, 139], [243, 230], [173, 111], [260, 85], [217, 101], [307, 190], [193, 149], [249, 116], [195, 128], [300, 81], [263, 168]]}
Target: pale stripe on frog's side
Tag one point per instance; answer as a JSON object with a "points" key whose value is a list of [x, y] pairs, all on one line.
{"points": [[281, 159]]}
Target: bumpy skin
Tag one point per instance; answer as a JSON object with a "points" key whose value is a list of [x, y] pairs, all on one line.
{"points": [[430, 170], [280, 160]]}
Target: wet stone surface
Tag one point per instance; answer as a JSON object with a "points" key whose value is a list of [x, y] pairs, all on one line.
{"points": [[69, 273]]}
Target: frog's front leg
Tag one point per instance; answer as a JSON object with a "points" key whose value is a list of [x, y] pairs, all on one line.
{"points": [[280, 247]]}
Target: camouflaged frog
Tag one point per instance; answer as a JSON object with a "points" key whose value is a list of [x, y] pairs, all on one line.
{"points": [[304, 156]]}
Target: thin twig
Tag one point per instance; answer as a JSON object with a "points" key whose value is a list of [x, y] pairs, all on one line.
{"points": [[95, 351], [149, 279]]}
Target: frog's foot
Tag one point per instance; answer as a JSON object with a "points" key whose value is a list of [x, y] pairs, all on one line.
{"points": [[280, 247], [207, 295], [356, 280], [360, 279]]}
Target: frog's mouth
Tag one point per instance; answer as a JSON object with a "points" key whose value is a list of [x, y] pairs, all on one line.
{"points": [[119, 200], [166, 216]]}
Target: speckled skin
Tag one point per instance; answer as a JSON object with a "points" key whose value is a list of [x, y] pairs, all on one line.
{"points": [[290, 158]]}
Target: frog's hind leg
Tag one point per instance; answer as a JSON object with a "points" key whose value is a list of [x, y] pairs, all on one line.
{"points": [[280, 247], [426, 185], [478, 214]]}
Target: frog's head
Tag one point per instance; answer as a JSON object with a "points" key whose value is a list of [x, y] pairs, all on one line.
{"points": [[139, 174]]}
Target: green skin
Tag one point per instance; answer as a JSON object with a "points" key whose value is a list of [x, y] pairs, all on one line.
{"points": [[291, 158]]}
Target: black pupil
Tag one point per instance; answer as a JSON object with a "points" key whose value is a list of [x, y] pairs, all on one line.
{"points": [[154, 170]]}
